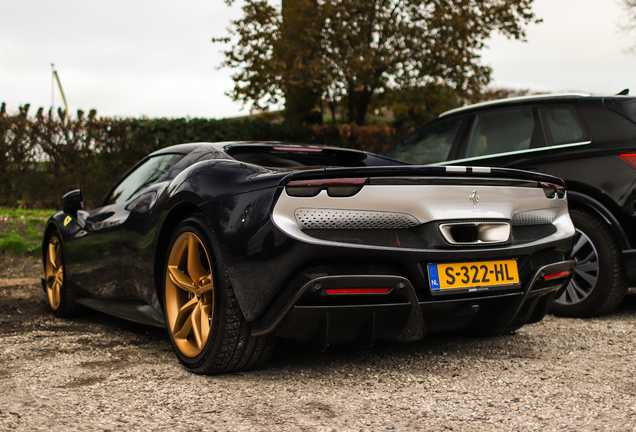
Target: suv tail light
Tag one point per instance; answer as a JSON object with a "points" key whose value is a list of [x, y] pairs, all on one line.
{"points": [[629, 159]]}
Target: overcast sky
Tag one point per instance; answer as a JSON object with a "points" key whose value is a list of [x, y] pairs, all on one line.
{"points": [[154, 58]]}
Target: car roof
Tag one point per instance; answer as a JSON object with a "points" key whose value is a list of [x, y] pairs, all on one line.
{"points": [[189, 147], [226, 145], [527, 100]]}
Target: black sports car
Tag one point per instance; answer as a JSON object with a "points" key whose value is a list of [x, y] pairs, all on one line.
{"points": [[590, 142], [230, 245]]}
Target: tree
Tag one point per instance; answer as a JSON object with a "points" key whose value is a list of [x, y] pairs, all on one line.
{"points": [[414, 106], [628, 21], [277, 56], [367, 47]]}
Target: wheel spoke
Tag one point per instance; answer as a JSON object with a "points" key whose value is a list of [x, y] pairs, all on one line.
{"points": [[572, 292], [587, 267], [52, 254], [184, 313], [181, 280], [195, 269], [184, 331], [590, 279], [59, 276], [58, 256], [196, 325], [55, 294], [589, 258], [206, 285], [582, 241], [206, 309], [580, 290]]}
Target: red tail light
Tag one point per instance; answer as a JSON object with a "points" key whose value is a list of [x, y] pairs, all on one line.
{"points": [[629, 159], [556, 275], [357, 290], [335, 187]]}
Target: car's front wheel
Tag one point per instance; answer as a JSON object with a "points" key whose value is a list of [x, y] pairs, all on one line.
{"points": [[205, 324], [599, 282], [59, 292]]}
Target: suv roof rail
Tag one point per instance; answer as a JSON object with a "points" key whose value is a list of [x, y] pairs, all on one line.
{"points": [[515, 99]]}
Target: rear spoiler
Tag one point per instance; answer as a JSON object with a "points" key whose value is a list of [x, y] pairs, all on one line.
{"points": [[418, 171]]}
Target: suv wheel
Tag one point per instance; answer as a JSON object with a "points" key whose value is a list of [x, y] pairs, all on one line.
{"points": [[599, 282]]}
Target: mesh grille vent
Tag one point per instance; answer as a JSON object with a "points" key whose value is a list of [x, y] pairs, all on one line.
{"points": [[535, 217], [352, 219]]}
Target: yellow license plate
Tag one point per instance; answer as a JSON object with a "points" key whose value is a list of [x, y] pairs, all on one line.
{"points": [[472, 274]]}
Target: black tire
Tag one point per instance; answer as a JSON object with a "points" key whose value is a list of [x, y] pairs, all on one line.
{"points": [[60, 293], [599, 283], [195, 287]]}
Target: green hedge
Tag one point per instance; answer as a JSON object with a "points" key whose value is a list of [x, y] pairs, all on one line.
{"points": [[45, 155]]}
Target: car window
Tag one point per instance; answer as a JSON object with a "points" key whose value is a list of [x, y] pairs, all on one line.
{"points": [[145, 174], [428, 145], [501, 132], [563, 127]]}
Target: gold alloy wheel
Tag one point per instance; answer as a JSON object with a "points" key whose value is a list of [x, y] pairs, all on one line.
{"points": [[54, 272], [189, 294]]}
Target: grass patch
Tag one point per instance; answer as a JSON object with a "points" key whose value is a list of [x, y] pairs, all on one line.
{"points": [[21, 230]]}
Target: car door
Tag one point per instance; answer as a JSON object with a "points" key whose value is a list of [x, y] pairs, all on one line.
{"points": [[95, 250], [509, 138], [572, 155]]}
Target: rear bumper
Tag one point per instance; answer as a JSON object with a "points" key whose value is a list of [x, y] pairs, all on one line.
{"points": [[312, 316]]}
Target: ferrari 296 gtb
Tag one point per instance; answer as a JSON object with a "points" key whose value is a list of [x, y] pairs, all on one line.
{"points": [[232, 245]]}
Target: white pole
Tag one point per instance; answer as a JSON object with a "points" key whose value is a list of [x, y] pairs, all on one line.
{"points": [[52, 88]]}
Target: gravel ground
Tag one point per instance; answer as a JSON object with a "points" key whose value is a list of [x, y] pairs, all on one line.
{"points": [[101, 373]]}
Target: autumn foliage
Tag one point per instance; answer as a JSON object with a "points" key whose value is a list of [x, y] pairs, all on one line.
{"points": [[324, 54]]}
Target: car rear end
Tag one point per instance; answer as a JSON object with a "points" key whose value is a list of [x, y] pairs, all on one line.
{"points": [[397, 252]]}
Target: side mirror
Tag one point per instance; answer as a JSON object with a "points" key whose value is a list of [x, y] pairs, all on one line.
{"points": [[72, 202]]}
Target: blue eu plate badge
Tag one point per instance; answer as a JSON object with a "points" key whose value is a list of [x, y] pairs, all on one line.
{"points": [[433, 277]]}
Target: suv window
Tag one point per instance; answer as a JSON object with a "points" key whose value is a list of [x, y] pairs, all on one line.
{"points": [[430, 144], [563, 126], [145, 174], [501, 132]]}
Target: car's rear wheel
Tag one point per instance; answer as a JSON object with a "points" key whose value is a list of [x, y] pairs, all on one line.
{"points": [[60, 294], [205, 324], [599, 283]]}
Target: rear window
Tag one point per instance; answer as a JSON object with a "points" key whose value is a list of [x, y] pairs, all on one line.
{"points": [[430, 144], [295, 157], [501, 131], [563, 126]]}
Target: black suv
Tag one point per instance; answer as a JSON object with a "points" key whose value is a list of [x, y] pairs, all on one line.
{"points": [[590, 141]]}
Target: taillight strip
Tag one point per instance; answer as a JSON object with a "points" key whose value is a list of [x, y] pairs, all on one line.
{"points": [[335, 187], [556, 275], [357, 290]]}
